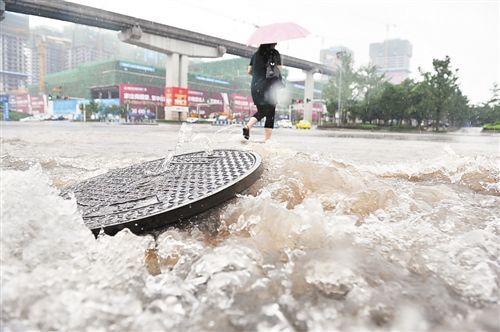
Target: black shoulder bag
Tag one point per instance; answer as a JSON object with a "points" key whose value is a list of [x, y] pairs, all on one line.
{"points": [[272, 70]]}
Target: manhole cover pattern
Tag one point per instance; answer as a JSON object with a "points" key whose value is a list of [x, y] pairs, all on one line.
{"points": [[139, 191]]}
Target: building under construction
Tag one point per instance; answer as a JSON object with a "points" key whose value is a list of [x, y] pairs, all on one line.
{"points": [[392, 58], [14, 51], [101, 79], [80, 81]]}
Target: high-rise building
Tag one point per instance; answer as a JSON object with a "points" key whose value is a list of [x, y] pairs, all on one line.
{"points": [[89, 44], [14, 34], [332, 56], [392, 57], [28, 53], [48, 51]]}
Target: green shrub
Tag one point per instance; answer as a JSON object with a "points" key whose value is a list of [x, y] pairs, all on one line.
{"points": [[14, 116], [492, 126], [367, 126]]}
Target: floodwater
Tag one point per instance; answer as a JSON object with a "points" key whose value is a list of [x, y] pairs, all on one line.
{"points": [[345, 230]]}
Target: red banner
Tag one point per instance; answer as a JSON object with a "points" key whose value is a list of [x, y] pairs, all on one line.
{"points": [[141, 95], [38, 104], [30, 104], [196, 97], [241, 104], [23, 103], [252, 106], [175, 96], [205, 102]]}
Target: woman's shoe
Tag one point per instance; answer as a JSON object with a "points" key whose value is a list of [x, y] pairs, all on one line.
{"points": [[246, 132]]}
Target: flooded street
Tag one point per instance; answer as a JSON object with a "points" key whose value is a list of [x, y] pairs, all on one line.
{"points": [[345, 230]]}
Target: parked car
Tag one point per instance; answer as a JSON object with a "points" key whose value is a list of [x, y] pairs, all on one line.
{"points": [[30, 118], [56, 118], [303, 124], [285, 124], [40, 117], [191, 120]]}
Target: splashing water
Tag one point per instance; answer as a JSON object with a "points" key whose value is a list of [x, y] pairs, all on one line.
{"points": [[315, 245], [231, 129], [206, 143], [188, 141], [183, 137], [184, 134], [228, 133]]}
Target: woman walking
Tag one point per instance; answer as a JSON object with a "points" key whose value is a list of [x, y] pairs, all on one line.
{"points": [[264, 87]]}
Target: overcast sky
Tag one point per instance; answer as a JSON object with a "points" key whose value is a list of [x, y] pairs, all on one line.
{"points": [[467, 30]]}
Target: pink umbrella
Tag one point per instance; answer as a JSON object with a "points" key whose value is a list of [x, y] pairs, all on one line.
{"points": [[276, 32]]}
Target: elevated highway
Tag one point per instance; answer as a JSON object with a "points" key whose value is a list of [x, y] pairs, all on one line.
{"points": [[177, 44], [80, 14]]}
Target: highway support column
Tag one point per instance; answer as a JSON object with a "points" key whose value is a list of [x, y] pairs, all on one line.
{"points": [[178, 53]]}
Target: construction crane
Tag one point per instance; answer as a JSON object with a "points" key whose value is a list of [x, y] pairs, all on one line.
{"points": [[42, 61]]}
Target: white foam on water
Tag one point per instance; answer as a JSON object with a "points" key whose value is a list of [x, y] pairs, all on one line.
{"points": [[479, 173], [55, 275], [315, 244]]}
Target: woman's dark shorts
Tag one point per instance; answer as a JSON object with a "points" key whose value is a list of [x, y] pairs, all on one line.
{"points": [[268, 112]]}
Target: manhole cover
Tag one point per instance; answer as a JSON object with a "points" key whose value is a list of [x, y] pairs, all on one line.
{"points": [[153, 194]]}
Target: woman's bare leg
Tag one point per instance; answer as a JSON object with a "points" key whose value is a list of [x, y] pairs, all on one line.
{"points": [[246, 129], [267, 133], [251, 122]]}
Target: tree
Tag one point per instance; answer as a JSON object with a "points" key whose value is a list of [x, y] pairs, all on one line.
{"points": [[489, 112], [457, 109], [114, 110], [347, 86], [92, 107], [371, 85], [393, 103], [495, 98], [408, 100], [420, 103], [492, 109], [442, 84]]}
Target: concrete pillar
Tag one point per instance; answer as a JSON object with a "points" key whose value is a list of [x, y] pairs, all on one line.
{"points": [[172, 68], [183, 71], [177, 77], [178, 53], [308, 95]]}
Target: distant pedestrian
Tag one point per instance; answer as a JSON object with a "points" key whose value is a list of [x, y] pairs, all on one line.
{"points": [[264, 87]]}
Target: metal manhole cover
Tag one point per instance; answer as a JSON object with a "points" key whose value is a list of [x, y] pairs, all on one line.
{"points": [[153, 194]]}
